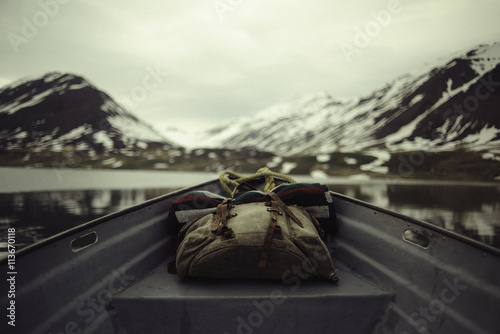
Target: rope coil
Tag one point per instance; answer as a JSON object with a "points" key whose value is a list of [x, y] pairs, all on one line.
{"points": [[229, 178]]}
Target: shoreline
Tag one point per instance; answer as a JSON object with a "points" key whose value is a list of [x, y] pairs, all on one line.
{"points": [[23, 179]]}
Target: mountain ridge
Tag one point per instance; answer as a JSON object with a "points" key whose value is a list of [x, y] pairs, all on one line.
{"points": [[434, 110], [447, 111]]}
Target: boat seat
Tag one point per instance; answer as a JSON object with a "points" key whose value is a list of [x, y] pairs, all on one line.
{"points": [[163, 303]]}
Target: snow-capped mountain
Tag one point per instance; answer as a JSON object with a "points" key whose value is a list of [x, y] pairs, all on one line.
{"points": [[180, 137], [59, 110], [455, 104], [451, 107]]}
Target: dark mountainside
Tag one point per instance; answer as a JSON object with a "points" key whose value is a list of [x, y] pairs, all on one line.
{"points": [[65, 109], [63, 120]]}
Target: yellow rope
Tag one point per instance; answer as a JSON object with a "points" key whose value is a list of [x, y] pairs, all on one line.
{"points": [[229, 178]]}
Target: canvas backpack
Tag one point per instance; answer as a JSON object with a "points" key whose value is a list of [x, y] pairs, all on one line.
{"points": [[257, 240]]}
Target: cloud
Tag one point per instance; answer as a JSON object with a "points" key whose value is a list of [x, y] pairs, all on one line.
{"points": [[219, 64]]}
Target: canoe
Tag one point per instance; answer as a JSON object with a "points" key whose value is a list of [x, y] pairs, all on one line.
{"points": [[396, 275]]}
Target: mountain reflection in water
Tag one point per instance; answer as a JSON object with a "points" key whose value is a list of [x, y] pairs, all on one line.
{"points": [[470, 210], [38, 215]]}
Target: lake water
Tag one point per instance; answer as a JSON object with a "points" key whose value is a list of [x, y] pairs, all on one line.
{"points": [[39, 203]]}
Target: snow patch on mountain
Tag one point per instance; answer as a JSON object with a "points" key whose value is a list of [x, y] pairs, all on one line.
{"points": [[376, 166], [103, 138], [485, 58], [484, 138], [323, 158], [180, 137], [288, 167], [24, 101]]}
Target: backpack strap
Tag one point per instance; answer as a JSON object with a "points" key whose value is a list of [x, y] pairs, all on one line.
{"points": [[277, 206], [221, 216], [274, 209], [282, 204]]}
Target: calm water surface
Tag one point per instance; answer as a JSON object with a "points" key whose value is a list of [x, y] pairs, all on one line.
{"points": [[38, 215], [471, 210]]}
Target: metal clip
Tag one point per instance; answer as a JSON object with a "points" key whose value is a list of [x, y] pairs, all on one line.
{"points": [[279, 212]]}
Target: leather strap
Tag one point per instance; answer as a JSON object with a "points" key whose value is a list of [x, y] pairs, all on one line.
{"points": [[269, 234], [282, 204], [221, 215]]}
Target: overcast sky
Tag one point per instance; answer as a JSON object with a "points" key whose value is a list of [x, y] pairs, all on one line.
{"points": [[190, 64]]}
